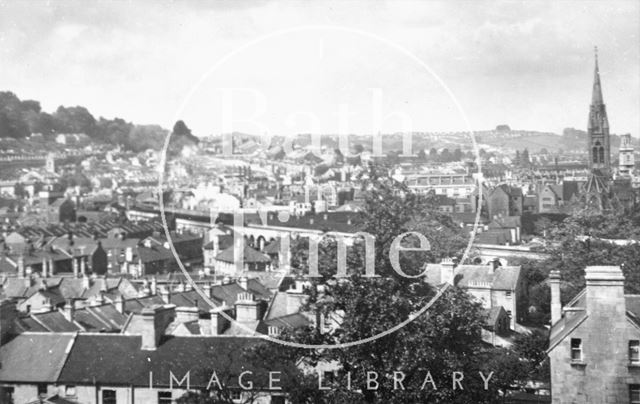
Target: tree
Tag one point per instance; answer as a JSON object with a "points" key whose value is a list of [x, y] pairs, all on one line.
{"points": [[181, 129], [433, 154], [441, 341], [75, 120], [457, 155]]}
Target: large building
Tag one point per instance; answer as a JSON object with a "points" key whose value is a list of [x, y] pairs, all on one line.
{"points": [[594, 344]]}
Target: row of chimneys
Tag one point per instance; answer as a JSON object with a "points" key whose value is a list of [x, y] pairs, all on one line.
{"points": [[150, 288], [154, 320]]}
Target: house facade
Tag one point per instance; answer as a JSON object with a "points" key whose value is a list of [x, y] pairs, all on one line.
{"points": [[594, 346]]}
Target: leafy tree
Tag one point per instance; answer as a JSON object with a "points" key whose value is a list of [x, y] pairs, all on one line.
{"points": [[75, 120], [422, 156], [457, 155]]}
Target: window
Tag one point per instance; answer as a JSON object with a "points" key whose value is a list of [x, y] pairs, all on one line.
{"points": [[576, 349], [70, 390], [508, 293], [634, 351], [164, 397], [235, 395], [634, 393], [6, 394], [108, 397], [42, 388]]}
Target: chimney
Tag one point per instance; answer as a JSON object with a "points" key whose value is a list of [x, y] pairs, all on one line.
{"points": [[493, 265], [154, 322], [21, 273], [206, 288], [247, 309], [75, 267], [165, 295], [218, 322], [447, 271], [180, 287], [154, 285], [186, 314], [128, 254], [99, 301], [8, 315], [244, 283], [605, 291], [44, 267], [556, 305], [119, 304], [82, 266], [69, 309]]}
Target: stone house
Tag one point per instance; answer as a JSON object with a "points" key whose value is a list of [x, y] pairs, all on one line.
{"points": [[594, 345]]}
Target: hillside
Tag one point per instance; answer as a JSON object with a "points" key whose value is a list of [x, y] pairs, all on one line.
{"points": [[21, 118]]}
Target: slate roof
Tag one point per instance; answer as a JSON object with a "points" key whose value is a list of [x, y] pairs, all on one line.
{"points": [[99, 358], [568, 323], [55, 321], [492, 315], [502, 278], [272, 248], [190, 298], [466, 276], [250, 255], [26, 324], [343, 222], [295, 320], [226, 293], [34, 357], [283, 304], [136, 304], [89, 229], [108, 314]]}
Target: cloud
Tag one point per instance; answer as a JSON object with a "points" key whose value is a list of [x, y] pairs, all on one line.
{"points": [[514, 62]]}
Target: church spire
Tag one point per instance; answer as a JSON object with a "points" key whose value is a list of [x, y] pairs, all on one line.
{"points": [[596, 98], [598, 128]]}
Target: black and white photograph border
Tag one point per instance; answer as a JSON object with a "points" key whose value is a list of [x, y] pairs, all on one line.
{"points": [[319, 202]]}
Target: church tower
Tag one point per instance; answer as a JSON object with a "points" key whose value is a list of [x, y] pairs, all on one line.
{"points": [[598, 128], [627, 161]]}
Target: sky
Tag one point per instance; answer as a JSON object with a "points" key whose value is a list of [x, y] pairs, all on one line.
{"points": [[285, 67]]}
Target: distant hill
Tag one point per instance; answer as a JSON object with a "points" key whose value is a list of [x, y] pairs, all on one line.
{"points": [[570, 140], [21, 118]]}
